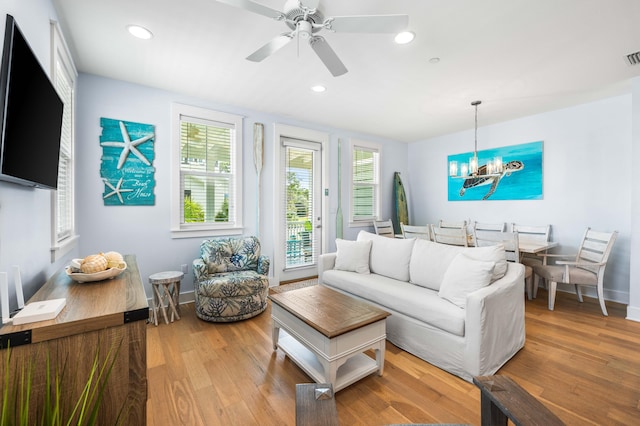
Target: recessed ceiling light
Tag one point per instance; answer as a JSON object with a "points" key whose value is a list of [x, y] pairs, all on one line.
{"points": [[140, 32], [405, 37], [318, 88]]}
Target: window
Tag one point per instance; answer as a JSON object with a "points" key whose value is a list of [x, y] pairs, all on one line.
{"points": [[365, 183], [64, 74], [207, 173]]}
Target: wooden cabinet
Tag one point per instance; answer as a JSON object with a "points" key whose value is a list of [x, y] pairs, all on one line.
{"points": [[98, 317]]}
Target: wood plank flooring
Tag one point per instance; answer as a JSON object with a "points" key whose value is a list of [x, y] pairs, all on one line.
{"points": [[583, 366]]}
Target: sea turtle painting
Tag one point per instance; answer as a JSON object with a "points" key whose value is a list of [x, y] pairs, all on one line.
{"points": [[491, 179]]}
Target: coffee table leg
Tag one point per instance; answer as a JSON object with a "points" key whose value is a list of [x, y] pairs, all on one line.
{"points": [[331, 370], [275, 333], [380, 356]]}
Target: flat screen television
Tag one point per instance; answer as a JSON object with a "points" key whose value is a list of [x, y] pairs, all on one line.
{"points": [[30, 115]]}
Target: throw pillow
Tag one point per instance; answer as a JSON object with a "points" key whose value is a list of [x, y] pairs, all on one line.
{"points": [[389, 256], [464, 276], [353, 256], [495, 254]]}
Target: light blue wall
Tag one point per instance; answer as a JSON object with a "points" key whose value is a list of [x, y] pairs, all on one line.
{"points": [[25, 213], [587, 173], [144, 231]]}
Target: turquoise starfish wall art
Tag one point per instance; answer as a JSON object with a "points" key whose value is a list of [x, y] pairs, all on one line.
{"points": [[126, 166]]}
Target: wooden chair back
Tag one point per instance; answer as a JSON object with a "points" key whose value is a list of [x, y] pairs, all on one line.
{"points": [[492, 238], [535, 233], [495, 227], [413, 231], [451, 236], [384, 228], [453, 224]]}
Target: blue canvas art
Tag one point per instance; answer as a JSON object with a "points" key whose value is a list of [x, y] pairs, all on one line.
{"points": [[506, 173], [126, 166]]}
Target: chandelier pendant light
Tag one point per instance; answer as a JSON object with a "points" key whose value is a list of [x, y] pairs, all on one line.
{"points": [[473, 169]]}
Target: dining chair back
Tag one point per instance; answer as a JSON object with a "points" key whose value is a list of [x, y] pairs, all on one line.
{"points": [[384, 228], [462, 224], [536, 234], [495, 227], [586, 268], [512, 251], [415, 231], [451, 236]]}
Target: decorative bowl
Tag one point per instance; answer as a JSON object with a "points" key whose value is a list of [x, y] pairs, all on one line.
{"points": [[96, 276]]}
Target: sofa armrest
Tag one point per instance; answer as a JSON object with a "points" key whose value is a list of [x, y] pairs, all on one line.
{"points": [[326, 262], [200, 270], [494, 323], [263, 264]]}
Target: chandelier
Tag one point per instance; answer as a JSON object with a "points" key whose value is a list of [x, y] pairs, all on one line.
{"points": [[473, 169]]}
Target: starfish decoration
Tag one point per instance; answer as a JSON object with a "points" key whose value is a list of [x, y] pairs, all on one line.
{"points": [[116, 190], [129, 146]]}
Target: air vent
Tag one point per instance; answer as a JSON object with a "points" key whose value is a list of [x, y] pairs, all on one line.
{"points": [[633, 58]]}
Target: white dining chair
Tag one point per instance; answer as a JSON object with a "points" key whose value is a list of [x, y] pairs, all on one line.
{"points": [[384, 228], [416, 231]]}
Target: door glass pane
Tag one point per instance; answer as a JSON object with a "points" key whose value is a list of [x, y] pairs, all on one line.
{"points": [[299, 207]]}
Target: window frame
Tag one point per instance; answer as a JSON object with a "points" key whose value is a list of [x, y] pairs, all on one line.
{"points": [[354, 144], [192, 230], [62, 245]]}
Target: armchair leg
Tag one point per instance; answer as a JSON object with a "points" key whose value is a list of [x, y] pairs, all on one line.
{"points": [[601, 299], [552, 293], [536, 283], [578, 292]]}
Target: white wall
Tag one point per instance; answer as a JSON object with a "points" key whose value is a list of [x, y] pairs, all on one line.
{"points": [[25, 213], [587, 175], [633, 311], [144, 230]]}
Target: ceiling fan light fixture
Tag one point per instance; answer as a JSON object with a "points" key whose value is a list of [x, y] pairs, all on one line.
{"points": [[139, 32], [405, 37]]}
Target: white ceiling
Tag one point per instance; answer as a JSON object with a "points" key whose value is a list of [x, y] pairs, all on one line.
{"points": [[520, 57]]}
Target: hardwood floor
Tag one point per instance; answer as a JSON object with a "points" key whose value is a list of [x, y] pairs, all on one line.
{"points": [[584, 367]]}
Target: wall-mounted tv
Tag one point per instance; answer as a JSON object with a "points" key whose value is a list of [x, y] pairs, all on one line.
{"points": [[30, 115]]}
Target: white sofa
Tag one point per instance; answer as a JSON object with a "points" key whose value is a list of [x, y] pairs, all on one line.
{"points": [[460, 309]]}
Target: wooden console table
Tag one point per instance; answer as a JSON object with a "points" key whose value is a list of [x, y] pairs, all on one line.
{"points": [[98, 316]]}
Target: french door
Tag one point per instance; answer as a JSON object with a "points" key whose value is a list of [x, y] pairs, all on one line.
{"points": [[301, 195], [301, 202]]}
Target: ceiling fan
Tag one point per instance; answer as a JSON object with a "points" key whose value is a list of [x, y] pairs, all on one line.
{"points": [[305, 19]]}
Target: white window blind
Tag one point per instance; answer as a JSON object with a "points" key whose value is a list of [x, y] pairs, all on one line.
{"points": [[64, 204], [209, 177], [63, 77], [365, 177]]}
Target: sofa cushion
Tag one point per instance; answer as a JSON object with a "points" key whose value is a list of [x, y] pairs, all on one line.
{"points": [[353, 256], [464, 276], [414, 301], [430, 261], [389, 256]]}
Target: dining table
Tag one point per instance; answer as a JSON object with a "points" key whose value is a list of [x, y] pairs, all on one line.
{"points": [[533, 247]]}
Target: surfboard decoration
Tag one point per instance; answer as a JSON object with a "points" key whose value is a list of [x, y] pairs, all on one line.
{"points": [[400, 203]]}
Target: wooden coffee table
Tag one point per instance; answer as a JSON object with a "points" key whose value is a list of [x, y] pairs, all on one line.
{"points": [[326, 334]]}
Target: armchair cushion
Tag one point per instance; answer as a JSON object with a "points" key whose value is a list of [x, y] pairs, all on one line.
{"points": [[231, 280], [556, 273], [231, 254]]}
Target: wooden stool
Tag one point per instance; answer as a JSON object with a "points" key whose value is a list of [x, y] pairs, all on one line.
{"points": [[170, 294]]}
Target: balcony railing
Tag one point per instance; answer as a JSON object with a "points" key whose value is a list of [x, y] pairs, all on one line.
{"points": [[299, 244]]}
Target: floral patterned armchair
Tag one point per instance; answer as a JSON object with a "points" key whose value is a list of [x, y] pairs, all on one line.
{"points": [[231, 281]]}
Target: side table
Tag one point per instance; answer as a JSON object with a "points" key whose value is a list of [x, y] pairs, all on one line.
{"points": [[166, 290]]}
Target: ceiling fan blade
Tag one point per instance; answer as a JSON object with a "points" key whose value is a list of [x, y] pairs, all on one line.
{"points": [[254, 7], [271, 47], [310, 4], [368, 23], [327, 56]]}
